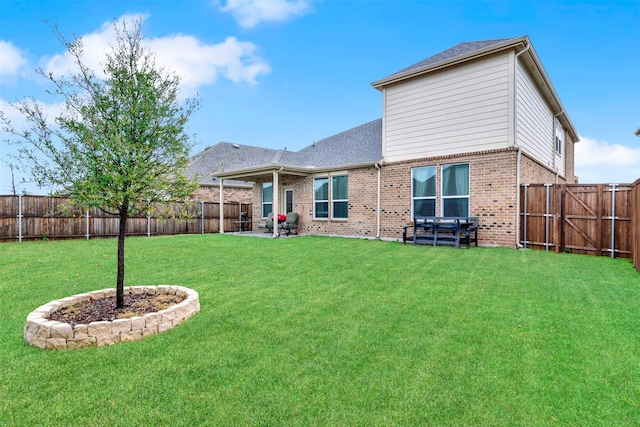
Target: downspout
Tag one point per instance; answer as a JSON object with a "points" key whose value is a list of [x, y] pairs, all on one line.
{"points": [[377, 165], [553, 143], [515, 143], [275, 201]]}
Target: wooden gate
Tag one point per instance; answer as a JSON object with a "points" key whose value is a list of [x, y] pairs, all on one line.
{"points": [[593, 219]]}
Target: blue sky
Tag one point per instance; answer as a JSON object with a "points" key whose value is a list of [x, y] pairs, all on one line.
{"points": [[285, 73]]}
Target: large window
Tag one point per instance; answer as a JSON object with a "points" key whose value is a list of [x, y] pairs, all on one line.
{"points": [[332, 198], [321, 198], [339, 197], [423, 191], [267, 198], [455, 190]]}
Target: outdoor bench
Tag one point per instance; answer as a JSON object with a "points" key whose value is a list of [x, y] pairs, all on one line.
{"points": [[433, 230]]}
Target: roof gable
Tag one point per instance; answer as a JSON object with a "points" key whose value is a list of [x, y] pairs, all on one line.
{"points": [[456, 51], [459, 52]]}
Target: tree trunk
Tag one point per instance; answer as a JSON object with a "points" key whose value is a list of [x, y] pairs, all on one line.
{"points": [[120, 277]]}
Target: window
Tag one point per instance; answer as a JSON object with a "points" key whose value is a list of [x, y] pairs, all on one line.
{"points": [[559, 134], [339, 197], [423, 191], [267, 198], [288, 200], [455, 190], [321, 198]]}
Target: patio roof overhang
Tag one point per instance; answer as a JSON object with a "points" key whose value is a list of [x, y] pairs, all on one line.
{"points": [[266, 172]]}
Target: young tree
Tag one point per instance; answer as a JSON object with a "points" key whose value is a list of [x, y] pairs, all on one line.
{"points": [[120, 143]]}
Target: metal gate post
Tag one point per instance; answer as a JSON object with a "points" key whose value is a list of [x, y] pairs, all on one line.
{"points": [[19, 217], [202, 217], [613, 220], [546, 218]]}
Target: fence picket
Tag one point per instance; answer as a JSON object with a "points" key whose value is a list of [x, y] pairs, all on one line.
{"points": [[25, 217], [585, 216]]}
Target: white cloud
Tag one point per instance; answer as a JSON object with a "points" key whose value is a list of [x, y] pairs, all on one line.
{"points": [[12, 64], [602, 162], [196, 63], [199, 64], [250, 13]]}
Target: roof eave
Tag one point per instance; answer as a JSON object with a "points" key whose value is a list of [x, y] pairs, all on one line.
{"points": [[507, 44], [247, 173], [558, 107]]}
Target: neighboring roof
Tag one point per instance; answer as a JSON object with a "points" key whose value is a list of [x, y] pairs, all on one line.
{"points": [[361, 145], [469, 51]]}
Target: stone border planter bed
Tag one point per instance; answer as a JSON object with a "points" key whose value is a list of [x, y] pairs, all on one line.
{"points": [[44, 333]]}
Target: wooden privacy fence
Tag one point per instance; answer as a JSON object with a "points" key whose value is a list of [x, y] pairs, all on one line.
{"points": [[595, 219], [43, 217], [635, 226]]}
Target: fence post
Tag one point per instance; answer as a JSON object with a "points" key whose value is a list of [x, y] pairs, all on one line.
{"points": [[546, 220], [202, 217], [87, 223], [613, 220], [19, 217]]}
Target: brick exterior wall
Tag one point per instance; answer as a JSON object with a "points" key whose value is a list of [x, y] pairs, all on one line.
{"points": [[493, 196], [569, 157], [231, 194], [362, 204]]}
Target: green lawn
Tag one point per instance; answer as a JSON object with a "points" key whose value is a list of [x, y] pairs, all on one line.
{"points": [[333, 332]]}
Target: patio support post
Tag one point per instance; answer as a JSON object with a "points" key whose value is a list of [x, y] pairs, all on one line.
{"points": [[275, 209], [221, 208]]}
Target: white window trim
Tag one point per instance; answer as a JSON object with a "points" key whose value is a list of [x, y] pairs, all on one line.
{"points": [[263, 203], [434, 197], [440, 209], [328, 200], [332, 200]]}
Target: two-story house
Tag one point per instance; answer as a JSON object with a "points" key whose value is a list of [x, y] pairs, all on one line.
{"points": [[460, 131]]}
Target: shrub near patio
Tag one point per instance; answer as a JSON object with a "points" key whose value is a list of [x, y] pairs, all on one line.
{"points": [[332, 331]]}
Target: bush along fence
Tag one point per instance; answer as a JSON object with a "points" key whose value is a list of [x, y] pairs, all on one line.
{"points": [[595, 219], [43, 217]]}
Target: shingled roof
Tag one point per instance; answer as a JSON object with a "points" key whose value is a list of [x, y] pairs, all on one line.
{"points": [[356, 146], [465, 49]]}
